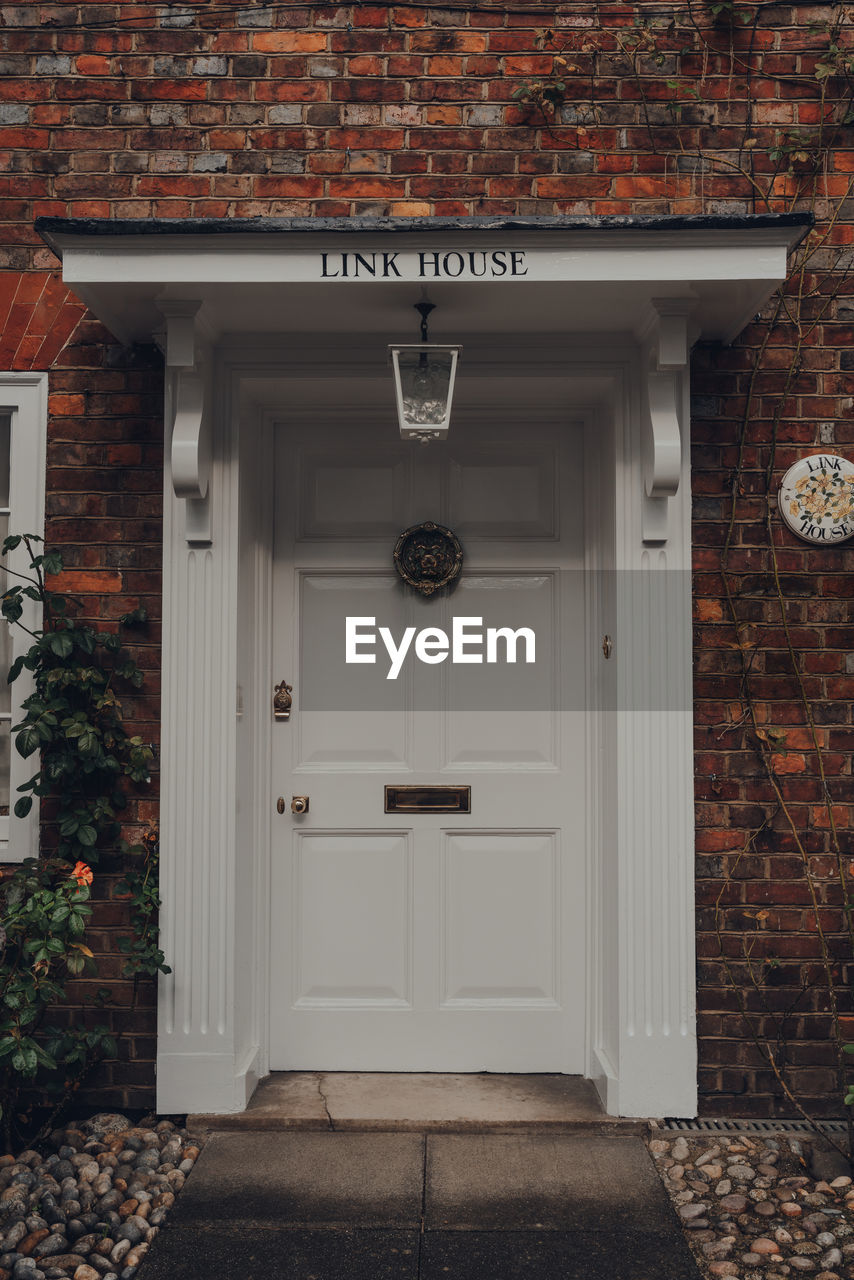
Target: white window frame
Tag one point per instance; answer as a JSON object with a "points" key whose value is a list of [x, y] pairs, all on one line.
{"points": [[24, 397]]}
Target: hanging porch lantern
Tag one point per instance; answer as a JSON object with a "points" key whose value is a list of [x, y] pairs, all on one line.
{"points": [[424, 384]]}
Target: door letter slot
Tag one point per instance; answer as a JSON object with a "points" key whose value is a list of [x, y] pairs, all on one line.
{"points": [[428, 800]]}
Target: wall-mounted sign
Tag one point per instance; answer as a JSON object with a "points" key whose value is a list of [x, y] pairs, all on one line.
{"points": [[817, 498], [424, 264]]}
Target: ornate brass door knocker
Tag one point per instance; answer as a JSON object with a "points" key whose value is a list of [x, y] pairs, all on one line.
{"points": [[282, 701], [428, 556]]}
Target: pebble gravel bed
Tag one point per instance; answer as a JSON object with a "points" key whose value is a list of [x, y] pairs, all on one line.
{"points": [[90, 1209], [760, 1208]]}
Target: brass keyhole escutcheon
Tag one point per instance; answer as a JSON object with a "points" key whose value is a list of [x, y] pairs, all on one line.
{"points": [[280, 804], [299, 804]]}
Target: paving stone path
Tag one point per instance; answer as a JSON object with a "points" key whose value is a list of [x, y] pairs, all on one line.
{"points": [[321, 1203], [410, 1206]]}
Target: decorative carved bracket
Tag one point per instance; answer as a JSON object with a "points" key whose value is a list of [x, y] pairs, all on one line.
{"points": [[191, 427], [667, 350]]}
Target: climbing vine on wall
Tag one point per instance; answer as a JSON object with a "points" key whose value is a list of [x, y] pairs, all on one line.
{"points": [[738, 117], [71, 724]]}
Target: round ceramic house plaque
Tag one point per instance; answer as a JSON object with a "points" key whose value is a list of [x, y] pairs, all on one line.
{"points": [[817, 498]]}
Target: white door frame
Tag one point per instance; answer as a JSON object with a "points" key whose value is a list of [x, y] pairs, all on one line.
{"points": [[217, 795]]}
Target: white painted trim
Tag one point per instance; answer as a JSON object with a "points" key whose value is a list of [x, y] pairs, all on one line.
{"points": [[656, 1058], [254, 659], [196, 1008], [216, 1082], [598, 552], [743, 254], [603, 1073], [215, 847], [664, 367], [129, 279], [188, 369], [190, 438], [25, 396]]}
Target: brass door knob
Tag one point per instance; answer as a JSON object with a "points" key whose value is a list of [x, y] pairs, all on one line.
{"points": [[299, 804]]}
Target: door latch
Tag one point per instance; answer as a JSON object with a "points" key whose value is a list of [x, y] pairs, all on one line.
{"points": [[282, 701]]}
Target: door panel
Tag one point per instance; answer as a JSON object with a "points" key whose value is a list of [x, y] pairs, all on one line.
{"points": [[504, 492], [426, 941], [368, 877], [352, 492], [500, 934], [494, 695], [331, 729]]}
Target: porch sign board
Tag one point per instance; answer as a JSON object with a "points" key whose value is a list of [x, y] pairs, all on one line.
{"points": [[424, 264], [817, 499]]}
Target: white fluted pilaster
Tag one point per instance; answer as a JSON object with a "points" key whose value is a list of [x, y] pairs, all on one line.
{"points": [[655, 1042], [200, 1063]]}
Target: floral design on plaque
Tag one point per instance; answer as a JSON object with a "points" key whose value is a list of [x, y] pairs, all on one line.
{"points": [[817, 498]]}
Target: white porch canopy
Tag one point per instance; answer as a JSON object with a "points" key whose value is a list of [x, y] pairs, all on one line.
{"points": [[245, 311]]}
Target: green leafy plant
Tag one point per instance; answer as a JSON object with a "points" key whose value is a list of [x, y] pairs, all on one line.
{"points": [[836, 61], [849, 1093], [547, 95], [45, 909], [799, 150], [73, 719], [681, 90], [144, 957], [73, 716], [727, 11], [45, 912]]}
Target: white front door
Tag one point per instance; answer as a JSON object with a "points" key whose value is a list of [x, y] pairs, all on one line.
{"points": [[430, 941]]}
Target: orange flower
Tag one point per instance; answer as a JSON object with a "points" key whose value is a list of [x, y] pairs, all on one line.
{"points": [[82, 874]]}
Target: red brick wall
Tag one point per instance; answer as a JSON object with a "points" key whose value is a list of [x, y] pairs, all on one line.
{"points": [[767, 908], [104, 508], [141, 110]]}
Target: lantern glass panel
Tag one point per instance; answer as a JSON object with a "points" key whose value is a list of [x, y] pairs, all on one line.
{"points": [[424, 382]]}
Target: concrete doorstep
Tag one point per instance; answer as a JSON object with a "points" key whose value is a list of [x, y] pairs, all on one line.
{"points": [[422, 1206], [420, 1102]]}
